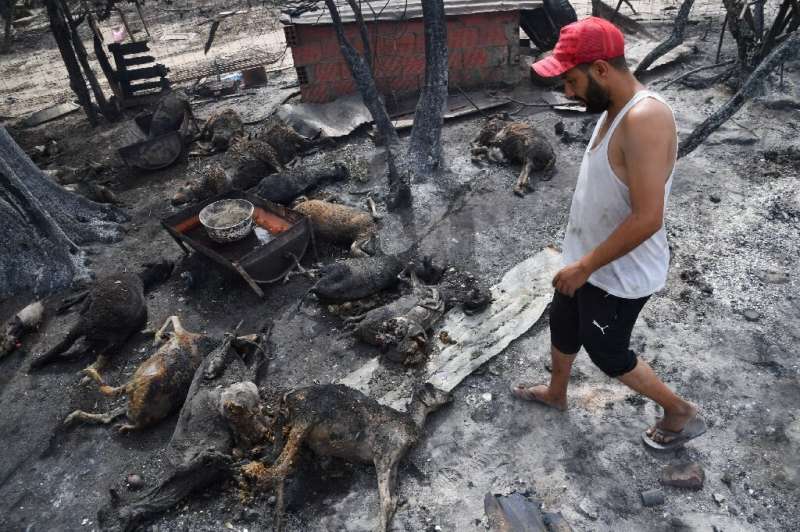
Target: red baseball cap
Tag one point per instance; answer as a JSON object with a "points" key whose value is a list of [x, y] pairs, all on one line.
{"points": [[582, 42]]}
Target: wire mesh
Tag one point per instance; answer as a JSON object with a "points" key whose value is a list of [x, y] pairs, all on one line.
{"points": [[250, 34]]}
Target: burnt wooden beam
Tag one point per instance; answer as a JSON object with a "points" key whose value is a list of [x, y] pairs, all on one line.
{"points": [[61, 33]]}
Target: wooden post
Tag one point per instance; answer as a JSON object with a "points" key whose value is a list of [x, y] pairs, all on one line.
{"points": [[58, 25], [80, 51]]}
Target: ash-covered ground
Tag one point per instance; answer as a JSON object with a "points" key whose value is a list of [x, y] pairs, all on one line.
{"points": [[723, 333]]}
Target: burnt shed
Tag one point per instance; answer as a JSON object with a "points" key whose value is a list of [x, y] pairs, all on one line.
{"points": [[482, 38]]}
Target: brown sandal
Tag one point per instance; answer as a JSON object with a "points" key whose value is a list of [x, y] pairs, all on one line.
{"points": [[521, 390]]}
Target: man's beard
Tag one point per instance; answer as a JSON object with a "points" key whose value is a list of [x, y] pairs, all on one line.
{"points": [[597, 99]]}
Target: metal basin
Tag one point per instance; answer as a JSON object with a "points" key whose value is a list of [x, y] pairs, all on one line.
{"points": [[228, 220]]}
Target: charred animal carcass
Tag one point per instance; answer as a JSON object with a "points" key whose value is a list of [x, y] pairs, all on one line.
{"points": [[221, 128], [503, 141], [340, 224], [251, 158], [338, 421], [159, 385], [220, 417], [113, 309], [286, 142], [357, 278], [247, 160], [20, 324], [211, 180], [400, 329], [287, 185]]}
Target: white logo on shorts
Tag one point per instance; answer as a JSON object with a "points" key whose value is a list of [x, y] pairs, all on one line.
{"points": [[602, 328]]}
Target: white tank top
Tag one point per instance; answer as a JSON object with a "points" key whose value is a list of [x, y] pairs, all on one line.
{"points": [[600, 204]]}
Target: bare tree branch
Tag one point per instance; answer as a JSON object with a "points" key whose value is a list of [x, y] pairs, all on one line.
{"points": [[786, 50]]}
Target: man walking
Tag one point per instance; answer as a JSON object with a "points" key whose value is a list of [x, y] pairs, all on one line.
{"points": [[615, 249]]}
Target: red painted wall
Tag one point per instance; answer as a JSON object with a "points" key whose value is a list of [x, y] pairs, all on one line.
{"points": [[483, 48]]}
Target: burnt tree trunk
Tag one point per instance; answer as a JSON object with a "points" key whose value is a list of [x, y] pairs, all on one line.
{"points": [[425, 146], [675, 38], [365, 81], [742, 28], [61, 32], [424, 153], [786, 50], [7, 12], [42, 225]]}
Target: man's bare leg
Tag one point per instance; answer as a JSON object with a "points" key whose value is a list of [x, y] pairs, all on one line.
{"points": [[554, 394], [677, 411]]}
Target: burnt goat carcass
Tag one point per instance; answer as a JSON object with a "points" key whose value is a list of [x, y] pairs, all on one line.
{"points": [[503, 141], [220, 418], [338, 421], [287, 185], [221, 128], [20, 324], [340, 224], [159, 385], [248, 159], [114, 308], [357, 278], [400, 329]]}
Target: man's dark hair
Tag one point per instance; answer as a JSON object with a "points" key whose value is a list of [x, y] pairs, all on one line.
{"points": [[620, 63]]}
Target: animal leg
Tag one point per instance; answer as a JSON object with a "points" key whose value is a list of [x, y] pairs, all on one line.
{"points": [[57, 349], [283, 465], [522, 183], [496, 155], [373, 210], [105, 389], [357, 248], [87, 417], [277, 473], [300, 270], [176, 326], [353, 321], [386, 468], [94, 369], [123, 428]]}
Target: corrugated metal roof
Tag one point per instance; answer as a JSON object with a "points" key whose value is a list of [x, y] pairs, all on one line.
{"points": [[394, 10]]}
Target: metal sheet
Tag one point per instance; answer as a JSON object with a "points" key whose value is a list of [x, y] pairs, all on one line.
{"points": [[335, 119], [394, 10], [520, 298]]}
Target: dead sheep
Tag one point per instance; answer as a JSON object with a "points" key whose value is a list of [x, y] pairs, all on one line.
{"points": [[114, 308], [221, 128], [503, 141], [338, 421], [340, 224], [159, 385]]}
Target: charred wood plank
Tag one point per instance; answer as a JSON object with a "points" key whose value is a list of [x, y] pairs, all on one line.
{"points": [[139, 60], [148, 86], [156, 71]]}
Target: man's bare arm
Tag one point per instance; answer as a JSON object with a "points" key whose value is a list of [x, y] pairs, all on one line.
{"points": [[648, 146]]}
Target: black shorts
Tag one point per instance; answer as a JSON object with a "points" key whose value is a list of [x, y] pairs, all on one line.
{"points": [[599, 322]]}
